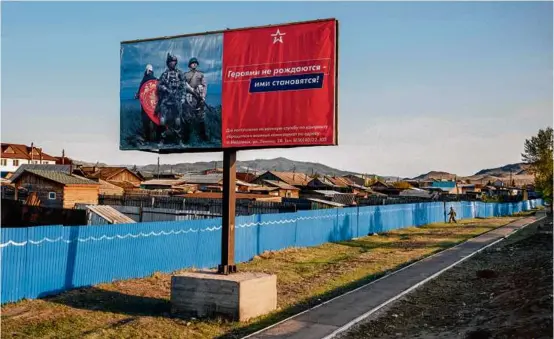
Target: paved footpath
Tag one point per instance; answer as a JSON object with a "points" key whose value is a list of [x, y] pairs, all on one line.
{"points": [[337, 314]]}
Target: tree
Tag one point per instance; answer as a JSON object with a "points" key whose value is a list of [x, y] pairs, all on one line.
{"points": [[538, 154]]}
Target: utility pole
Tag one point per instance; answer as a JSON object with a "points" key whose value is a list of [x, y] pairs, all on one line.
{"points": [[158, 167]]}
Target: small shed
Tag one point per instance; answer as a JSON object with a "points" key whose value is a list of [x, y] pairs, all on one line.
{"points": [[106, 215]]}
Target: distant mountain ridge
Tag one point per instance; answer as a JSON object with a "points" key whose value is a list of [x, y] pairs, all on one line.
{"points": [[258, 165], [514, 169]]}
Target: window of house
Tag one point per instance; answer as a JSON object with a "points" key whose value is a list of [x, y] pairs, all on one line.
{"points": [[52, 195], [35, 161], [16, 162], [45, 162], [4, 162]]}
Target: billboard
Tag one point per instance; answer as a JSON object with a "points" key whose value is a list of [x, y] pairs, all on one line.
{"points": [[261, 87]]}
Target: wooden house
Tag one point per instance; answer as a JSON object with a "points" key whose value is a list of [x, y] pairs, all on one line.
{"points": [[298, 180], [283, 189], [119, 176], [57, 188]]}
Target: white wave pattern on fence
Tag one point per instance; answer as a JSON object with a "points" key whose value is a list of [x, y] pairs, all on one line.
{"points": [[105, 237]]}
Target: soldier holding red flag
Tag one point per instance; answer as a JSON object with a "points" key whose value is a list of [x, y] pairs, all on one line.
{"points": [[148, 126]]}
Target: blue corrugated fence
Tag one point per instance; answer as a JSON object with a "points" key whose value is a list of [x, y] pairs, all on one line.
{"points": [[39, 261]]}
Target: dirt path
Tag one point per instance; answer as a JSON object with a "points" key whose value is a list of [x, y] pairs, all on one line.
{"points": [[504, 292]]}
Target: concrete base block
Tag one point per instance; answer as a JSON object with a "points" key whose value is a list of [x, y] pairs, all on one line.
{"points": [[239, 296]]}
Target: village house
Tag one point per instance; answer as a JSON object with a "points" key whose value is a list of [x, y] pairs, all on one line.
{"points": [[15, 155], [204, 182], [56, 187], [298, 180], [282, 189], [330, 183], [360, 180], [118, 176], [161, 184], [246, 176], [384, 188]]}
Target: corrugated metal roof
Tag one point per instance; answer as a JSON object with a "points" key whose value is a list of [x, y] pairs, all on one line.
{"points": [[292, 178], [281, 185], [444, 184], [54, 168], [110, 214], [325, 202], [327, 193], [202, 178], [61, 177]]}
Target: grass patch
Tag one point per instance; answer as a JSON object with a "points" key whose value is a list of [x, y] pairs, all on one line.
{"points": [[305, 277]]}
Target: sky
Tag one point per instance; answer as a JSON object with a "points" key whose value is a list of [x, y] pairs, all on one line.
{"points": [[452, 86]]}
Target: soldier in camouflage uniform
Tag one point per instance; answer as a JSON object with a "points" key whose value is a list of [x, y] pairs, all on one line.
{"points": [[171, 90], [196, 89]]}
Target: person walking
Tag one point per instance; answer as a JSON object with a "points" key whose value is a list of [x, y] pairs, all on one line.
{"points": [[452, 215]]}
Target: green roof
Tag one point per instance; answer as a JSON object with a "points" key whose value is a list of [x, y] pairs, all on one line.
{"points": [[62, 177]]}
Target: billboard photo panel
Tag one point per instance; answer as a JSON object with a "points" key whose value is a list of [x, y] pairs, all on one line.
{"points": [[261, 87]]}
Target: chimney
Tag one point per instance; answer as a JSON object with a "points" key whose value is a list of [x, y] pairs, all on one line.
{"points": [[63, 157], [32, 147]]}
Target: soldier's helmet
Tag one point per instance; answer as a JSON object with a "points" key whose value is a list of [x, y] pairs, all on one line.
{"points": [[193, 61], [170, 57]]}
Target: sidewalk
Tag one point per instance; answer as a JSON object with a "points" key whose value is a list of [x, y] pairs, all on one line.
{"points": [[337, 314]]}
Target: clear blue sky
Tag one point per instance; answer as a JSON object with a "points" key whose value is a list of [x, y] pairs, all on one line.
{"points": [[434, 85]]}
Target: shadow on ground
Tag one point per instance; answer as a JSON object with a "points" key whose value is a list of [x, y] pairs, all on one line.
{"points": [[96, 299]]}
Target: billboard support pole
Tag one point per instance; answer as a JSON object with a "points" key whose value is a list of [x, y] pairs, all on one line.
{"points": [[227, 265]]}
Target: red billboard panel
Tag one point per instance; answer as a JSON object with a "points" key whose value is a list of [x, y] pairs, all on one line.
{"points": [[279, 86]]}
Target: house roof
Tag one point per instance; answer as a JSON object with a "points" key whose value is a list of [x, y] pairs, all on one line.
{"points": [[45, 167], [108, 185], [340, 181], [202, 178], [264, 189], [281, 185], [244, 183], [443, 184], [19, 151], [327, 193], [110, 214], [245, 176], [292, 178], [123, 184], [104, 173], [57, 176], [163, 182], [327, 202]]}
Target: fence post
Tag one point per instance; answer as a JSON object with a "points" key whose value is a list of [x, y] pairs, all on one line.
{"points": [[357, 221]]}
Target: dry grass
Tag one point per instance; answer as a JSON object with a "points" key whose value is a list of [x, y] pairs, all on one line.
{"points": [[306, 276]]}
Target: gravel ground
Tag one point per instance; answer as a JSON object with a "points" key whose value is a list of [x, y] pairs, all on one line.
{"points": [[503, 292]]}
